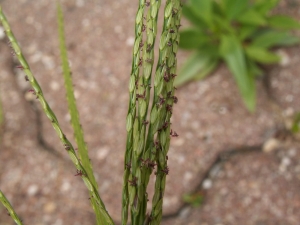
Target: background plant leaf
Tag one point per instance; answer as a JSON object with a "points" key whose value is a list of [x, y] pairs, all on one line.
{"points": [[246, 31], [283, 22], [193, 17], [261, 55], [273, 38], [195, 199], [254, 68], [232, 53], [234, 8], [79, 137], [203, 9], [296, 124], [197, 66], [264, 6], [252, 17]]}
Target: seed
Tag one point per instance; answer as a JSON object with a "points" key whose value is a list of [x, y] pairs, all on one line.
{"points": [[139, 16], [154, 10], [129, 122], [168, 9], [143, 107]]}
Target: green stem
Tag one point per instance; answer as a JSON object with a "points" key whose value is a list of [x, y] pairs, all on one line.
{"points": [[10, 209]]}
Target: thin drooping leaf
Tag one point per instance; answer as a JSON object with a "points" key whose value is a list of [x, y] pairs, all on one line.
{"points": [[273, 38], [79, 137], [261, 55], [197, 66], [12, 213], [283, 22], [232, 53]]}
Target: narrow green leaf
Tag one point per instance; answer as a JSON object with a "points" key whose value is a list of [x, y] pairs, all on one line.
{"points": [[82, 148], [232, 53], [252, 17], [283, 22], [193, 17], [192, 39], [207, 69], [223, 24], [261, 55], [203, 8], [264, 6], [246, 31], [101, 217], [254, 68], [296, 124], [198, 65], [273, 38], [234, 8]]}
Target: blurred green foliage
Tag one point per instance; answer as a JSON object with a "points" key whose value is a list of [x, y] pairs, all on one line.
{"points": [[239, 32], [296, 124], [194, 200]]}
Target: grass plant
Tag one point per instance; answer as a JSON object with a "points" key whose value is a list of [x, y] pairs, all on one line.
{"points": [[240, 33], [148, 133]]}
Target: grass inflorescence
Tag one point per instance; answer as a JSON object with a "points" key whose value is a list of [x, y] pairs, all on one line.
{"points": [[147, 148]]}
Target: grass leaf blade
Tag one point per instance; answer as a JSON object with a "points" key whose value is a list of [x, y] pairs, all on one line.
{"points": [[79, 136], [234, 57]]}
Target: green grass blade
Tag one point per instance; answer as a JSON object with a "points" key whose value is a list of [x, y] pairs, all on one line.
{"points": [[50, 114], [79, 137], [197, 66], [9, 207], [233, 55]]}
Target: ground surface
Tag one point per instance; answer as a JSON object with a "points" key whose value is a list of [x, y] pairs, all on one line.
{"points": [[246, 166]]}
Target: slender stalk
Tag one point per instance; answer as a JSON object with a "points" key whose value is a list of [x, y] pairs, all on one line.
{"points": [[49, 113], [10, 209]]}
